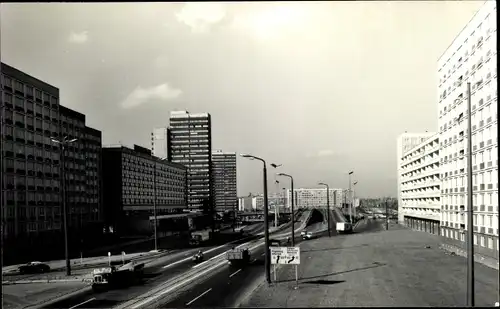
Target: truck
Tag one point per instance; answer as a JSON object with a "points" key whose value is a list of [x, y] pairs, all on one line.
{"points": [[115, 277], [344, 227], [238, 257], [199, 237]]}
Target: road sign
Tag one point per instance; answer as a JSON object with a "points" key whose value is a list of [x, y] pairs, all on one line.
{"points": [[285, 255]]}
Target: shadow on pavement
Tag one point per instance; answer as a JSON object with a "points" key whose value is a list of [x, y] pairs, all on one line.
{"points": [[331, 249], [375, 265], [325, 282]]}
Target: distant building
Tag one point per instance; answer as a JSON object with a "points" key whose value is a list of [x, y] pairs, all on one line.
{"points": [[245, 203], [159, 142], [471, 58], [189, 141], [316, 197], [420, 187], [406, 142], [129, 176], [224, 181]]}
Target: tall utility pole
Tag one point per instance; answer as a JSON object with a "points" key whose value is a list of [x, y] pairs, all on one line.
{"points": [[267, 263], [327, 206], [154, 201], [354, 195], [470, 221], [276, 215], [293, 204], [62, 143], [350, 197]]}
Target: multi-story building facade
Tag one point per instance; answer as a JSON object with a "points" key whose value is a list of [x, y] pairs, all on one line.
{"points": [[93, 170], [130, 177], [32, 174], [189, 141], [317, 197], [224, 181], [471, 58], [420, 186], [159, 146], [406, 142]]}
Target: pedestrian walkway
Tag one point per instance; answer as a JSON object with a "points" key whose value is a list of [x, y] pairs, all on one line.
{"points": [[397, 267]]}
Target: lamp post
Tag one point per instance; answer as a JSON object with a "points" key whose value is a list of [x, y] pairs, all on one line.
{"points": [[293, 215], [327, 205], [470, 221], [266, 217], [62, 144], [350, 197], [354, 196], [276, 215]]}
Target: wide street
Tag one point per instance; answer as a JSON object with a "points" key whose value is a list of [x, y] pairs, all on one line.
{"points": [[156, 273], [374, 267]]}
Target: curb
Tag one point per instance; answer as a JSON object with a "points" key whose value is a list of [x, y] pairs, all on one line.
{"points": [[478, 258]]}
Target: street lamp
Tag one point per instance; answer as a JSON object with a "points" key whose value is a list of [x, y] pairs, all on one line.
{"points": [[62, 143], [293, 216], [266, 216], [275, 205], [327, 205], [350, 197], [354, 196], [154, 201]]}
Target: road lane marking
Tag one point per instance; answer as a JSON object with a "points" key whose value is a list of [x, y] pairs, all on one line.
{"points": [[263, 254], [178, 285], [234, 273], [87, 301], [201, 295], [187, 259]]}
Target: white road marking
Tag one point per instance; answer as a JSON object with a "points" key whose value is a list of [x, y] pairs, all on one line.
{"points": [[176, 286], [201, 295], [87, 301], [263, 254], [187, 259], [234, 273]]}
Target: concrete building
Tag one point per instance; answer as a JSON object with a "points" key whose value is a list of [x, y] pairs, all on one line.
{"points": [[245, 203], [32, 208], [406, 142], [420, 187], [159, 139], [471, 58], [224, 180], [316, 197], [130, 177], [189, 141]]}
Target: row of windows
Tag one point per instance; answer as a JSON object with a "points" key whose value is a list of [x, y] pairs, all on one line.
{"points": [[28, 90]]}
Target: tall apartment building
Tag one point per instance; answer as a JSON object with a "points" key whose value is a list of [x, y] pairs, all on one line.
{"points": [[420, 186], [130, 177], [189, 141], [224, 181], [406, 142], [159, 146], [32, 208], [471, 58]]}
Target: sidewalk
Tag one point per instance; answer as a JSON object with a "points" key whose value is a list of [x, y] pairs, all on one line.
{"points": [[380, 268]]}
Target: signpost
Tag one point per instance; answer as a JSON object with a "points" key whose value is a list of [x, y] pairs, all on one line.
{"points": [[286, 256]]}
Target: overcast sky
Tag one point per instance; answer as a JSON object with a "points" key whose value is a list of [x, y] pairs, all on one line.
{"points": [[320, 87]]}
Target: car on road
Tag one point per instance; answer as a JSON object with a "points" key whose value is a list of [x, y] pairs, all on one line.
{"points": [[307, 236], [34, 268]]}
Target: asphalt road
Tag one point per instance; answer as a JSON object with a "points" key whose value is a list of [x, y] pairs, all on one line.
{"points": [[377, 268], [154, 275], [223, 288]]}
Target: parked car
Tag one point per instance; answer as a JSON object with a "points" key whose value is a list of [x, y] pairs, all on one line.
{"points": [[34, 268], [274, 243]]}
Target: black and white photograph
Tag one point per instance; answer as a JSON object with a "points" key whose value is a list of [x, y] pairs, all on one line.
{"points": [[254, 154]]}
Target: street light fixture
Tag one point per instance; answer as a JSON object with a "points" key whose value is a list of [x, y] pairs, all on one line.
{"points": [[276, 208], [327, 205], [266, 216], [62, 144], [354, 196], [350, 197], [293, 215]]}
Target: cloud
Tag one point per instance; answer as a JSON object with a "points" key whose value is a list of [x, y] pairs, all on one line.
{"points": [[143, 95], [322, 153], [200, 16], [79, 38]]}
